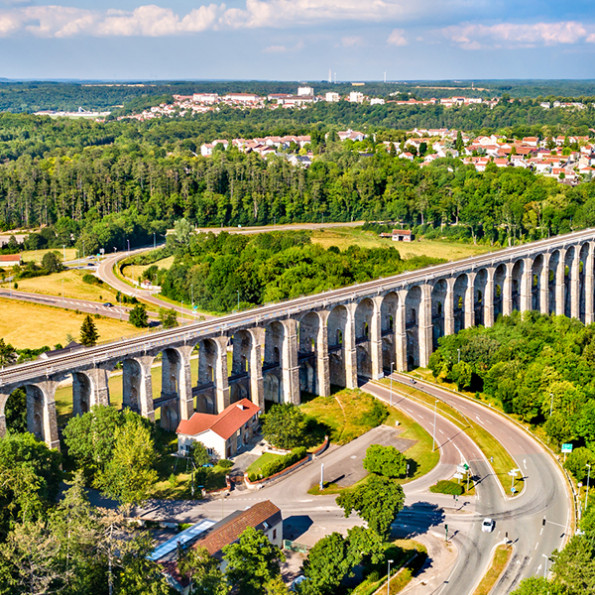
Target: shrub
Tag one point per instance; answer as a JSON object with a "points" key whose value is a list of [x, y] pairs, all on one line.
{"points": [[92, 279], [225, 463], [375, 415], [445, 486]]}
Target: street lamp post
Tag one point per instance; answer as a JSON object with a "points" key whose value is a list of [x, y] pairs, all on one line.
{"points": [[551, 403], [588, 465], [391, 383], [458, 355], [64, 251], [388, 577], [545, 567], [128, 242], [434, 432]]}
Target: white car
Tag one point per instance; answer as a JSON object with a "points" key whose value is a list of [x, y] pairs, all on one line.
{"points": [[487, 525]]}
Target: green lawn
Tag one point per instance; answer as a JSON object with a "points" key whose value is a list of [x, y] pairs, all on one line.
{"points": [[499, 561], [261, 461], [348, 413]]}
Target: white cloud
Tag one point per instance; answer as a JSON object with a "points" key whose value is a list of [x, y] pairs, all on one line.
{"points": [[275, 49], [352, 41], [509, 35], [153, 21], [397, 37]]}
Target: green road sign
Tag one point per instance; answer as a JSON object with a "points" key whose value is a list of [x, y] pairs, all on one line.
{"points": [[566, 448]]}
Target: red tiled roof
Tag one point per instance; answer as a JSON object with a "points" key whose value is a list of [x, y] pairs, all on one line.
{"points": [[10, 258], [229, 529], [225, 424]]}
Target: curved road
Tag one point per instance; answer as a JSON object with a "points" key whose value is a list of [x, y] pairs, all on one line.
{"points": [[537, 521]]}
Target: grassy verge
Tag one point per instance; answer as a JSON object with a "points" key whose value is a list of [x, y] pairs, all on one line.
{"points": [[499, 562], [261, 461], [501, 460], [38, 325], [408, 557]]}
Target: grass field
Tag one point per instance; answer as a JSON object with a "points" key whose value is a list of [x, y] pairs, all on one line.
{"points": [[133, 271], [68, 284], [345, 237], [502, 461], [499, 561], [261, 461], [37, 255], [23, 324], [348, 413]]}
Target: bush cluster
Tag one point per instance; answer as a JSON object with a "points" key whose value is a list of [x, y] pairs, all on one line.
{"points": [[445, 486], [278, 465]]}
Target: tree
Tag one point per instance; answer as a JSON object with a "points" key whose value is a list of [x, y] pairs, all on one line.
{"points": [[168, 318], [129, 474], [8, 354], [459, 144], [199, 453], [202, 572], [284, 426], [90, 437], [385, 460], [252, 562], [29, 477], [89, 334], [138, 316], [577, 462], [15, 411], [52, 262], [536, 586], [377, 501], [326, 566]]}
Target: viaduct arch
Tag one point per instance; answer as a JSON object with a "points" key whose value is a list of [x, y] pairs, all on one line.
{"points": [[311, 343]]}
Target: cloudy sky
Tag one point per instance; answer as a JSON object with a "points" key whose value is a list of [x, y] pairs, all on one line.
{"points": [[298, 39]]}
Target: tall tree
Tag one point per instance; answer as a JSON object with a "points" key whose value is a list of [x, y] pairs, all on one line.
{"points": [[202, 572], [138, 316], [385, 460], [252, 562], [89, 334]]}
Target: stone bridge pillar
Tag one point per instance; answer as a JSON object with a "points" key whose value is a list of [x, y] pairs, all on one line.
{"points": [[290, 369], [425, 325], [544, 285], [560, 289], [177, 386], [145, 385], [589, 289], [449, 318], [3, 398], [350, 348], [220, 374], [322, 360], [507, 290], [470, 301], [99, 376], [527, 285], [42, 419], [401, 332], [488, 298], [575, 292], [376, 339], [256, 380]]}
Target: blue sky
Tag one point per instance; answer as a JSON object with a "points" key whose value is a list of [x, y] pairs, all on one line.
{"points": [[298, 39]]}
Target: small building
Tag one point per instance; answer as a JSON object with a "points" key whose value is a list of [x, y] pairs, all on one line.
{"points": [[10, 260], [263, 516], [399, 235], [223, 434]]}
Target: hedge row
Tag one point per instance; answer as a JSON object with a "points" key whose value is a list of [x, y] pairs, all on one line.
{"points": [[447, 487], [297, 454]]}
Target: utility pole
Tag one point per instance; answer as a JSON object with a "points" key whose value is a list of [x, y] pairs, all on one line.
{"points": [[588, 478], [388, 577], [391, 383]]}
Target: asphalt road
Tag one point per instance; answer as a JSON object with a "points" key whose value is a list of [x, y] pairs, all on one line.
{"points": [[87, 306], [538, 521]]}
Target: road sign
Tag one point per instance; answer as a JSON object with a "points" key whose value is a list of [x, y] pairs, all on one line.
{"points": [[567, 447], [461, 469], [458, 476]]}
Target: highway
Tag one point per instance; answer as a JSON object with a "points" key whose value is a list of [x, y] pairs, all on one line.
{"points": [[269, 312], [537, 521]]}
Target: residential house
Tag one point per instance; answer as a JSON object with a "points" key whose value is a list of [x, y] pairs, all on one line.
{"points": [[10, 260], [223, 434]]}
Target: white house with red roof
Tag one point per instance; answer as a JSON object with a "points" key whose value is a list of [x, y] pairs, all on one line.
{"points": [[10, 260], [223, 434]]}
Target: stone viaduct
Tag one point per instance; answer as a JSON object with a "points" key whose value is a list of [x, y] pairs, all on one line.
{"points": [[275, 352]]}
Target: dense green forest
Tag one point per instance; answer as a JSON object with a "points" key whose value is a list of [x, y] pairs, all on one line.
{"points": [[220, 272], [99, 185], [541, 368]]}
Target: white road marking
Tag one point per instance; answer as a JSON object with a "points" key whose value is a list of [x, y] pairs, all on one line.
{"points": [[478, 419], [541, 532]]}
